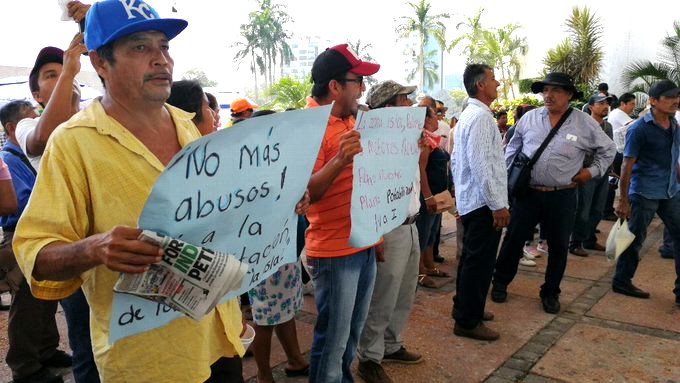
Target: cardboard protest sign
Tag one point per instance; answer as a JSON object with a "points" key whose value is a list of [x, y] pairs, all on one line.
{"points": [[384, 172], [233, 191]]}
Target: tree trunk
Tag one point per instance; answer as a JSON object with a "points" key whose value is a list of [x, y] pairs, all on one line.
{"points": [[421, 62], [441, 70], [252, 55]]}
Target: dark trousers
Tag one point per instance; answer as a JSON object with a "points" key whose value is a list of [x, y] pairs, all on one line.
{"points": [[642, 212], [555, 211], [226, 370], [77, 313], [32, 332], [591, 198], [31, 329], [475, 266]]}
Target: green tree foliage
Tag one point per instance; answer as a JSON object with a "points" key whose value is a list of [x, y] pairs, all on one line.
{"points": [[499, 48], [504, 52], [200, 76], [639, 75], [580, 55], [471, 38], [265, 38], [288, 93], [430, 71], [426, 25]]}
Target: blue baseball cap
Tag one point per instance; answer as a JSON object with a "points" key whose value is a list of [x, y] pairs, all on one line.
{"points": [[109, 20]]}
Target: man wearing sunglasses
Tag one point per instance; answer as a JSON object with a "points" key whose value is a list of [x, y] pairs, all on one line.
{"points": [[343, 275]]}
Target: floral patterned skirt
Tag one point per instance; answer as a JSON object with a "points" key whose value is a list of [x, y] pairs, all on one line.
{"points": [[277, 299]]}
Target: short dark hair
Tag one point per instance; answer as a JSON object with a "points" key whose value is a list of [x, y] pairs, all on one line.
{"points": [[262, 112], [187, 95], [320, 90], [473, 74], [14, 111], [521, 110], [106, 52], [626, 98], [212, 101], [431, 102], [603, 87], [501, 113]]}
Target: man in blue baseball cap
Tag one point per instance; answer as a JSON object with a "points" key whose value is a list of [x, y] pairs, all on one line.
{"points": [[96, 173]]}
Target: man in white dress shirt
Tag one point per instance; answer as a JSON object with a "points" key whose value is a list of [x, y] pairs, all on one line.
{"points": [[480, 177]]}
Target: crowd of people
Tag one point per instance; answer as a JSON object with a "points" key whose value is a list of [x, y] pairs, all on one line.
{"points": [[87, 174]]}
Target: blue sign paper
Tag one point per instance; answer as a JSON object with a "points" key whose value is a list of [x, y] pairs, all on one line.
{"points": [[384, 171], [233, 191]]}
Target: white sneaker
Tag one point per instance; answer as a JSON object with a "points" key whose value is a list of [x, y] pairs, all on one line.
{"points": [[527, 262], [542, 247], [531, 253]]}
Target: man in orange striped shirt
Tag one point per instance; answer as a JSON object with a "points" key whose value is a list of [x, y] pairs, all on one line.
{"points": [[343, 275]]}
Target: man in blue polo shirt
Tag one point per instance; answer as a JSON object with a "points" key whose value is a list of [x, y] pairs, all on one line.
{"points": [[650, 183], [31, 328]]}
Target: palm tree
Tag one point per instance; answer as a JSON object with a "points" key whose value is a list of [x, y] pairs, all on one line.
{"points": [[581, 54], [430, 74], [250, 50], [427, 26], [266, 36], [473, 38], [640, 75], [504, 51]]}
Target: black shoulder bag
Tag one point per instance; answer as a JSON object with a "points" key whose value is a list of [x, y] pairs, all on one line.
{"points": [[23, 158], [519, 172]]}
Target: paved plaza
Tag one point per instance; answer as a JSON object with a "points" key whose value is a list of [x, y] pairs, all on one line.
{"points": [[599, 336]]}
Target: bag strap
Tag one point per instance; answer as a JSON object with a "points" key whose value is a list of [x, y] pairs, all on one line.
{"points": [[23, 158], [552, 134]]}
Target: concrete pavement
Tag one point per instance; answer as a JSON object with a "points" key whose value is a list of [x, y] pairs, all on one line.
{"points": [[599, 336]]}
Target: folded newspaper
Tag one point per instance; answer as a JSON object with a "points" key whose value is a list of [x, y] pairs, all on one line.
{"points": [[189, 279]]}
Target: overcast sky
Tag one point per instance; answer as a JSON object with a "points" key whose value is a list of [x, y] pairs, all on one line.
{"points": [[629, 33]]}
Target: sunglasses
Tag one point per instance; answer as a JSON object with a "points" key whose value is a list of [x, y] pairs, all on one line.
{"points": [[359, 80]]}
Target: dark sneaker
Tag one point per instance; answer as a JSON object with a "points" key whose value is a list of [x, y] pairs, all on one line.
{"points": [[631, 291], [60, 359], [498, 294], [481, 332], [578, 251], [372, 372], [43, 375], [551, 304], [403, 356]]}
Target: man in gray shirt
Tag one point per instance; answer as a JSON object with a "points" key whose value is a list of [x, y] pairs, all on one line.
{"points": [[554, 177], [592, 195]]}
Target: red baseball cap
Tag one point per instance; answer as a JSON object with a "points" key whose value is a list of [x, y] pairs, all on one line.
{"points": [[337, 60]]}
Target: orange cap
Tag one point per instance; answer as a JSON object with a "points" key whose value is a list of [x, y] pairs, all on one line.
{"points": [[241, 105]]}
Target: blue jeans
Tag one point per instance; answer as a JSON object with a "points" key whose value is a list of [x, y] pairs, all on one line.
{"points": [[642, 212], [77, 313], [666, 249], [592, 197], [342, 290]]}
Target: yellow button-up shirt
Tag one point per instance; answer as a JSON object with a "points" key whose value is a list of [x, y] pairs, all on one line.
{"points": [[95, 175]]}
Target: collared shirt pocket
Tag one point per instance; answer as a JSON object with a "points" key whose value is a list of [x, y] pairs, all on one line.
{"points": [[566, 147]]}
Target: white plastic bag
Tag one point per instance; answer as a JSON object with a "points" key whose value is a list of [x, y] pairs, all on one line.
{"points": [[619, 239]]}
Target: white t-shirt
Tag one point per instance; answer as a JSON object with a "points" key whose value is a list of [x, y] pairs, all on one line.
{"points": [[24, 128], [619, 119], [442, 131]]}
